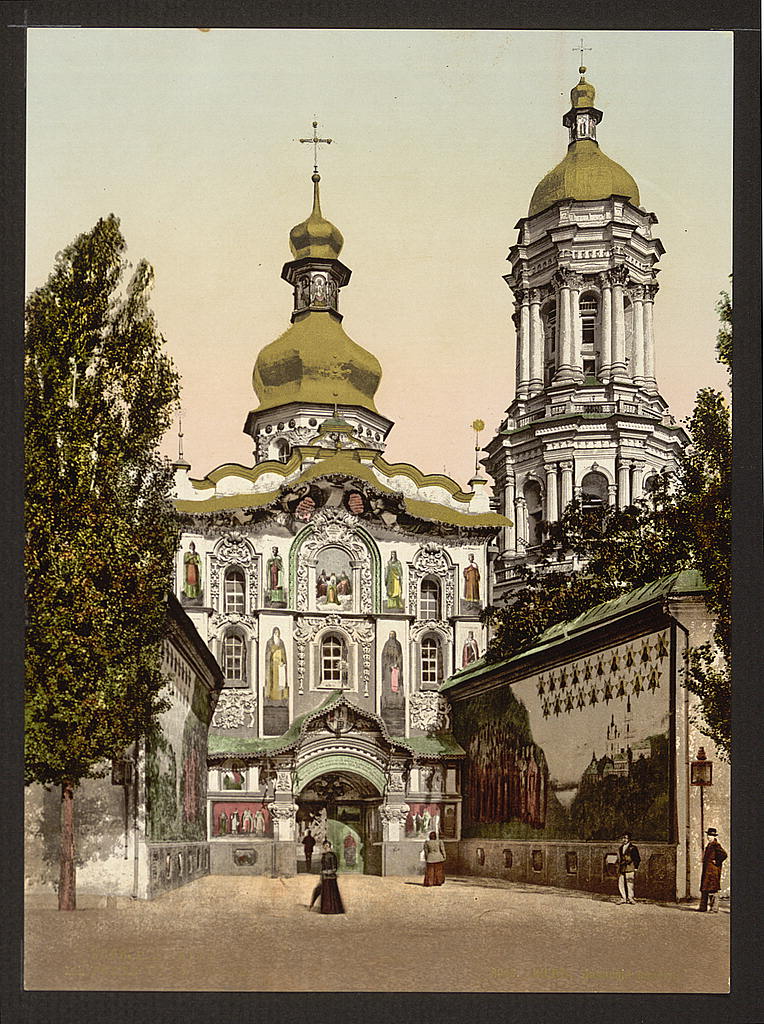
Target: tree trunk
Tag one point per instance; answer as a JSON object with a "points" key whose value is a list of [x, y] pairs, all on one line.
{"points": [[67, 899]]}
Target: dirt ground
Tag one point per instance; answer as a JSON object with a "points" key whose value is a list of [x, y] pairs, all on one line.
{"points": [[473, 935]]}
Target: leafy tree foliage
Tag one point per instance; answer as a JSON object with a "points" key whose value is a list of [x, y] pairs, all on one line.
{"points": [[100, 527], [682, 523]]}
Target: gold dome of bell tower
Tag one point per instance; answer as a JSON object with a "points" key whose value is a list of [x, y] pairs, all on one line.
{"points": [[585, 172]]}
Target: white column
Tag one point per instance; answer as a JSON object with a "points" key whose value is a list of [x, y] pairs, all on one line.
{"points": [[567, 484], [637, 473], [638, 337], [618, 279], [536, 367], [521, 522], [564, 328], [612, 494], [524, 344], [649, 335], [510, 532], [606, 329], [576, 336], [624, 497], [552, 510]]}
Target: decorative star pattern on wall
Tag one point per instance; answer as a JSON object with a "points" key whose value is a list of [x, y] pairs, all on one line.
{"points": [[624, 671]]}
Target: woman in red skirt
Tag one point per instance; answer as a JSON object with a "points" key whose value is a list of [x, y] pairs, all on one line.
{"points": [[435, 861]]}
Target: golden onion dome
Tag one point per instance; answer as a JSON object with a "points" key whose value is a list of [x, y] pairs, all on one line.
{"points": [[582, 95], [316, 236], [315, 361], [584, 173]]}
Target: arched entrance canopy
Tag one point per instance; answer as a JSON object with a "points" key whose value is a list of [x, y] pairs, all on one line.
{"points": [[339, 764]]}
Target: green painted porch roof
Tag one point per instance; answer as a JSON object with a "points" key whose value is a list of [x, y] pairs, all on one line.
{"points": [[220, 743], [685, 581], [437, 745]]}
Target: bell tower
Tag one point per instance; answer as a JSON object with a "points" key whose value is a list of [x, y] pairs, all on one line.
{"points": [[587, 419]]}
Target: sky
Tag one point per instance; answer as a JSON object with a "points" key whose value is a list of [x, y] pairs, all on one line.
{"points": [[439, 139]]}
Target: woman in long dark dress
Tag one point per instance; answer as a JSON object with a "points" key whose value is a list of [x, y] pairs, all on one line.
{"points": [[327, 889]]}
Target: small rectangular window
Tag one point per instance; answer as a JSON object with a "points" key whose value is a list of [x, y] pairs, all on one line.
{"points": [[571, 862], [537, 860]]}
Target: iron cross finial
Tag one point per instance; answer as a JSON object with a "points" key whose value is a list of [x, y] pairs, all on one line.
{"points": [[315, 142], [581, 49]]}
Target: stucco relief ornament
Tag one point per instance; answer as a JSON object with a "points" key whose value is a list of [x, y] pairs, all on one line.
{"points": [[432, 560], [283, 812], [233, 549], [395, 781], [284, 781], [234, 710], [394, 812], [233, 619], [440, 626], [430, 711]]}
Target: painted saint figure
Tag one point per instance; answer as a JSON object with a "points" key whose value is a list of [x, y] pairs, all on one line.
{"points": [[471, 581], [274, 572], [392, 672], [331, 590], [344, 588], [192, 573], [321, 584], [394, 582], [470, 652], [276, 688]]}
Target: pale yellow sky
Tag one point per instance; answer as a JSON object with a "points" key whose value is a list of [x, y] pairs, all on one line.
{"points": [[440, 139]]}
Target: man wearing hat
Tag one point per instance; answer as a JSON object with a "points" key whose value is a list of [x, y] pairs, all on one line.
{"points": [[714, 856]]}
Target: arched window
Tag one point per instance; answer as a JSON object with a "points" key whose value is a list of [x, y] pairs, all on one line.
{"points": [[588, 309], [234, 592], [234, 659], [593, 492], [534, 512], [281, 450], [431, 663], [334, 664], [430, 602]]}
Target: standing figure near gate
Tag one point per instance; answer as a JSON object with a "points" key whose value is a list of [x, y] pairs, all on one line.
{"points": [[327, 888], [714, 857], [628, 862]]}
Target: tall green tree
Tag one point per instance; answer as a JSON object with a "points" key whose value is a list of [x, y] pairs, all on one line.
{"points": [[100, 526], [683, 523], [705, 509]]}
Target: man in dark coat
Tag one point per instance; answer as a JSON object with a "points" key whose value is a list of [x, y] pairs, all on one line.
{"points": [[628, 862], [308, 843], [714, 856]]}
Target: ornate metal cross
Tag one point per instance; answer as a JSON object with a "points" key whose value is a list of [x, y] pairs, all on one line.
{"points": [[316, 141], [581, 49]]}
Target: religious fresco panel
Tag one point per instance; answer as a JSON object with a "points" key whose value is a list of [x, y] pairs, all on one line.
{"points": [[275, 685], [580, 751], [241, 818], [334, 580], [392, 692], [425, 818], [393, 584], [274, 585]]}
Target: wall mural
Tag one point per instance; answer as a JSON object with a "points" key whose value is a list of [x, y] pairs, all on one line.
{"points": [[242, 818], [275, 686], [471, 574], [392, 699], [578, 752], [394, 584], [425, 818], [275, 590], [334, 575], [192, 574]]}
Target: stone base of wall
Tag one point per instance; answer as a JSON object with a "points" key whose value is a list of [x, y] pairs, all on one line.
{"points": [[171, 865], [253, 857], [403, 858], [586, 866]]}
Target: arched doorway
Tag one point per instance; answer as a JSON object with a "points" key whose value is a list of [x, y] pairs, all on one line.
{"points": [[343, 807]]}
